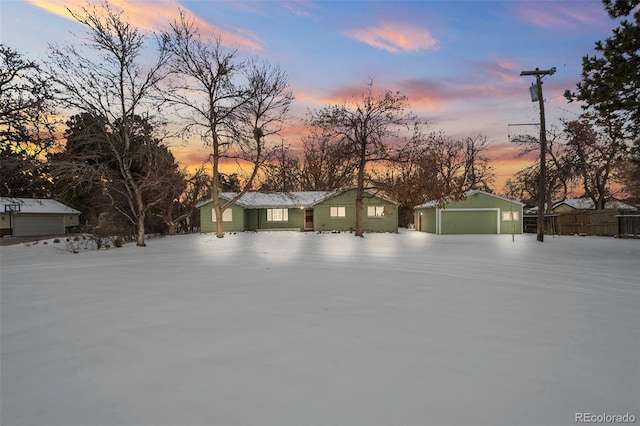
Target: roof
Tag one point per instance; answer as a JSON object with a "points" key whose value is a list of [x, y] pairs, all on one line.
{"points": [[258, 200], [435, 203], [586, 203], [265, 200], [37, 205]]}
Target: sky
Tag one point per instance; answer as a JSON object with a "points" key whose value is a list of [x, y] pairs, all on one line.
{"points": [[458, 62]]}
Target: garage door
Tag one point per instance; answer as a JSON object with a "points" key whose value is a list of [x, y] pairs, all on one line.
{"points": [[27, 225], [469, 222]]}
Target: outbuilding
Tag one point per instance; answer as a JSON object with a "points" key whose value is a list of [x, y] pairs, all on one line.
{"points": [[478, 213], [35, 217]]}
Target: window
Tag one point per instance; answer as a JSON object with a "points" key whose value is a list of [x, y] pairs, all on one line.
{"points": [[509, 216], [375, 211], [277, 215], [227, 215], [337, 212]]}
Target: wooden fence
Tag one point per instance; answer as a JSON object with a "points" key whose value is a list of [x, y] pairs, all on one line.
{"points": [[611, 223]]}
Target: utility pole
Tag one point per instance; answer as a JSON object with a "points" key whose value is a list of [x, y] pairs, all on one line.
{"points": [[537, 96]]}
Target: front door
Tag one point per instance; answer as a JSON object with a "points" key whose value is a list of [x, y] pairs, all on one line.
{"points": [[308, 219]]}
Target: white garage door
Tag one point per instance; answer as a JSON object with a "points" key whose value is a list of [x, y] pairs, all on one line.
{"points": [[28, 225]]}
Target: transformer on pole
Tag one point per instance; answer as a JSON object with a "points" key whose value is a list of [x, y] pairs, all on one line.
{"points": [[537, 96]]}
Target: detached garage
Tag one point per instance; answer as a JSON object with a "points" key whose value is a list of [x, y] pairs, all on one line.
{"points": [[478, 213], [33, 217]]}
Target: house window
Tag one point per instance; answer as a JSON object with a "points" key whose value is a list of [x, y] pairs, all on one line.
{"points": [[277, 215], [509, 216], [227, 215], [375, 211], [338, 212]]}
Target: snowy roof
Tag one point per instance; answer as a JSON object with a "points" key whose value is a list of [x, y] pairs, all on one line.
{"points": [[257, 200], [36, 205], [586, 203], [263, 200], [435, 203]]}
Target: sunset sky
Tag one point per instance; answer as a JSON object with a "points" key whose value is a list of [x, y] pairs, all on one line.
{"points": [[458, 62]]}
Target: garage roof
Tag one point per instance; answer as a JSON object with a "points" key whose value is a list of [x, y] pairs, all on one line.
{"points": [[36, 205], [431, 204]]}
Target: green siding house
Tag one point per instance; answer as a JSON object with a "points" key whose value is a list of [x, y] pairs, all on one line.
{"points": [[478, 213], [301, 211]]}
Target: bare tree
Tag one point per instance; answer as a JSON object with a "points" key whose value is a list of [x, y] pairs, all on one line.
{"points": [[559, 169], [405, 177], [370, 126], [27, 126], [283, 173], [232, 105], [478, 172], [328, 164], [186, 193], [596, 153], [104, 77]]}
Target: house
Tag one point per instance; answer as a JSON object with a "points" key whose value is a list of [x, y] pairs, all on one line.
{"points": [[478, 213], [27, 217], [569, 205], [301, 211]]}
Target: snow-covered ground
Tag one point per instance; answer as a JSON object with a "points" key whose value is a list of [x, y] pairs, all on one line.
{"points": [[321, 329]]}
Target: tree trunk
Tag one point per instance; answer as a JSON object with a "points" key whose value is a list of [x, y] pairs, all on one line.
{"points": [[140, 225], [360, 191], [359, 208], [219, 225], [171, 228]]}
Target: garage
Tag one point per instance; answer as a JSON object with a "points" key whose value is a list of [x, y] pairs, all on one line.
{"points": [[478, 212], [29, 225], [35, 217]]}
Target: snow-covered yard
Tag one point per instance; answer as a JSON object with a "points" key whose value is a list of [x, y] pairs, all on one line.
{"points": [[321, 329]]}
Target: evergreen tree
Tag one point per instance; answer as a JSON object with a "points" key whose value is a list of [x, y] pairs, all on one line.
{"points": [[610, 86]]}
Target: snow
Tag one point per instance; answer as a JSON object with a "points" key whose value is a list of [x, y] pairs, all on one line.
{"points": [[37, 205], [254, 199], [290, 328]]}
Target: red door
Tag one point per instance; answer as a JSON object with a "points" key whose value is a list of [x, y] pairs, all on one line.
{"points": [[308, 219]]}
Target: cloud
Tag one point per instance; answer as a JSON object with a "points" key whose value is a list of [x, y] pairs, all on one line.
{"points": [[154, 15], [299, 7], [563, 16], [504, 70], [427, 95], [395, 37]]}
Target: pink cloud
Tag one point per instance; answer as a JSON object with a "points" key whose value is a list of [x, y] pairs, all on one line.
{"points": [[154, 15], [395, 37], [563, 16], [503, 69]]}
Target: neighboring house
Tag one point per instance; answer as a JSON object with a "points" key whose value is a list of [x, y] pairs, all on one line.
{"points": [[478, 213], [28, 217], [572, 204], [301, 211]]}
